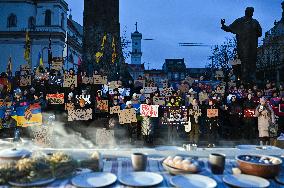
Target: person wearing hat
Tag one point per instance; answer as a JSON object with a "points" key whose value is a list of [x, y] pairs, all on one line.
{"points": [[266, 118]]}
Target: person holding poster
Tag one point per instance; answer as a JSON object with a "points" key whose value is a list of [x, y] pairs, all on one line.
{"points": [[249, 129], [147, 128], [194, 117], [211, 123]]}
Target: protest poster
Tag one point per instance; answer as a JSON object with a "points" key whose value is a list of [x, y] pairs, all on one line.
{"points": [[235, 62], [232, 84], [55, 98], [203, 96], [220, 89], [114, 110], [105, 137], [114, 84], [249, 113], [149, 110], [69, 80], [211, 113], [69, 106], [159, 101], [149, 90], [25, 80], [139, 83], [124, 91], [57, 64], [99, 79], [29, 115], [80, 115], [166, 92], [101, 106], [127, 116], [87, 80], [175, 115], [55, 80], [83, 98]]}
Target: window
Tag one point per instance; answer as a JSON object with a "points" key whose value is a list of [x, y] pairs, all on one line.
{"points": [[136, 43], [62, 20], [47, 20], [31, 23], [12, 21]]}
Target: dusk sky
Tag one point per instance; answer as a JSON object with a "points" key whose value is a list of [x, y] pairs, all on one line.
{"points": [[169, 22]]}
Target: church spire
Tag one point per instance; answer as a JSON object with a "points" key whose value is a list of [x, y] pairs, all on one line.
{"points": [[136, 25]]}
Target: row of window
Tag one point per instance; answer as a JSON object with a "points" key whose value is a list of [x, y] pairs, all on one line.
{"points": [[12, 20]]}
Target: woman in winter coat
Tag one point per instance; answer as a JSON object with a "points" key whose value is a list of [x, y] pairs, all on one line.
{"points": [[266, 117]]}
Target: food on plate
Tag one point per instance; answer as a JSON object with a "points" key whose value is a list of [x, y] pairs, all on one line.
{"points": [[180, 163], [236, 171], [95, 162], [62, 164], [259, 159]]}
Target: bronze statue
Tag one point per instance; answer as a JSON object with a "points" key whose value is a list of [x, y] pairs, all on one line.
{"points": [[247, 31]]}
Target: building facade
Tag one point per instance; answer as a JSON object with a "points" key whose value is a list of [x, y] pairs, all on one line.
{"points": [[175, 70], [46, 20], [270, 62]]}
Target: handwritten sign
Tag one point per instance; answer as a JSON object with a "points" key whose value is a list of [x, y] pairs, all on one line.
{"points": [[55, 98], [99, 79], [166, 91], [149, 110], [114, 110], [102, 106], [219, 74], [127, 116], [69, 80], [25, 80], [80, 115], [114, 84], [175, 115], [87, 80], [248, 113], [25, 67], [69, 106], [211, 113]]}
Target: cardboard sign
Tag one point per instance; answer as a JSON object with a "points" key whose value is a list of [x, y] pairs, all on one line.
{"points": [[139, 83], [159, 101], [69, 80], [57, 64], [102, 106], [25, 67], [114, 110], [114, 84], [99, 79], [211, 113], [80, 115], [150, 90], [176, 115], [149, 110], [166, 91], [184, 88], [105, 137], [25, 80], [127, 116], [232, 84], [145, 95], [87, 80], [189, 80], [55, 98], [69, 106], [249, 113], [85, 98]]}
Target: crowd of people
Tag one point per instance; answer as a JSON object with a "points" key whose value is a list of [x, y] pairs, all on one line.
{"points": [[209, 110]]}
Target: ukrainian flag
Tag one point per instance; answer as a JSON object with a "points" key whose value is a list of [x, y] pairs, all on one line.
{"points": [[28, 116]]}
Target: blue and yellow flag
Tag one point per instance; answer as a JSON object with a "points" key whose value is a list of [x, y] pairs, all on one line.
{"points": [[29, 115]]}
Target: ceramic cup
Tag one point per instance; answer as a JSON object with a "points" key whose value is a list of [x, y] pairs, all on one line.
{"points": [[217, 163], [139, 161]]}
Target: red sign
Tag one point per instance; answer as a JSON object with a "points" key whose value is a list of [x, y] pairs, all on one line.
{"points": [[149, 110], [249, 113]]}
